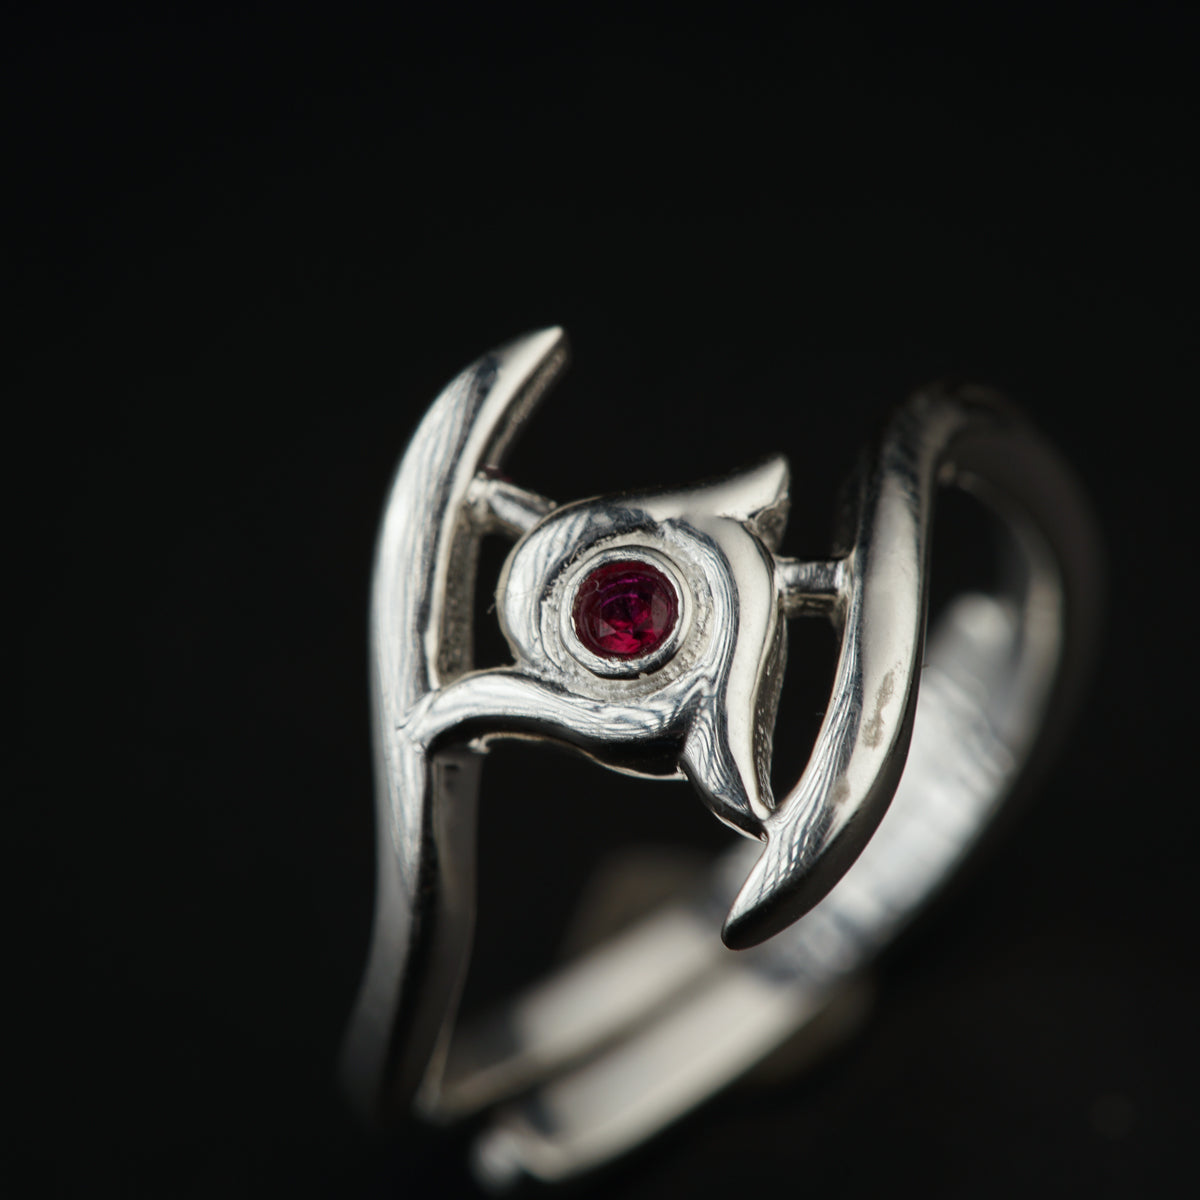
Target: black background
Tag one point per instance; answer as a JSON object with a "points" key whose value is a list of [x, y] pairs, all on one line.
{"points": [[247, 248]]}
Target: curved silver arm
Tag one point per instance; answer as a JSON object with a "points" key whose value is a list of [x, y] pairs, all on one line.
{"points": [[421, 640], [974, 439]]}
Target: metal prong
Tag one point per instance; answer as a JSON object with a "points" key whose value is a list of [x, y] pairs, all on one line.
{"points": [[499, 506], [810, 588]]}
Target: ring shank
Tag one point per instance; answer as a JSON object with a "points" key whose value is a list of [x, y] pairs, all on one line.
{"points": [[599, 1056], [615, 1046]]}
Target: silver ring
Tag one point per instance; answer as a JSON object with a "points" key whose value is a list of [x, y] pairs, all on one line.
{"points": [[648, 632]]}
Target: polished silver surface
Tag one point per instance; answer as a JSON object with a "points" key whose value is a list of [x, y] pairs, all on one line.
{"points": [[922, 741]]}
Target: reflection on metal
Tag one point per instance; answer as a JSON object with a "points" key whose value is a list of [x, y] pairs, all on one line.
{"points": [[919, 746]]}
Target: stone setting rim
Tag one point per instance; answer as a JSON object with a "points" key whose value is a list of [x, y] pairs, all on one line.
{"points": [[625, 668], [654, 608]]}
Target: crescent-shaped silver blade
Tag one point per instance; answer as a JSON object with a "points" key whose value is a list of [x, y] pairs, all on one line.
{"points": [[420, 640]]}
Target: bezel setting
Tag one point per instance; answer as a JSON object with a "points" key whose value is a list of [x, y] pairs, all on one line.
{"points": [[642, 664]]}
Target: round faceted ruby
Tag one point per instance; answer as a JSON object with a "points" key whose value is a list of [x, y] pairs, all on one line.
{"points": [[625, 609]]}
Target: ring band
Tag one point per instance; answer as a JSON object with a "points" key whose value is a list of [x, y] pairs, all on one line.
{"points": [[649, 633]]}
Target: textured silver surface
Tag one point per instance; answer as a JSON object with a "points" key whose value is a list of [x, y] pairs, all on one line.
{"points": [[918, 747]]}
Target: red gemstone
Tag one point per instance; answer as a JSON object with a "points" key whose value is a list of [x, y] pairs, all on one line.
{"points": [[625, 609]]}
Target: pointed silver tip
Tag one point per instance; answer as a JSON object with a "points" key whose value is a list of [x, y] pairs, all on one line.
{"points": [[776, 894]]}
